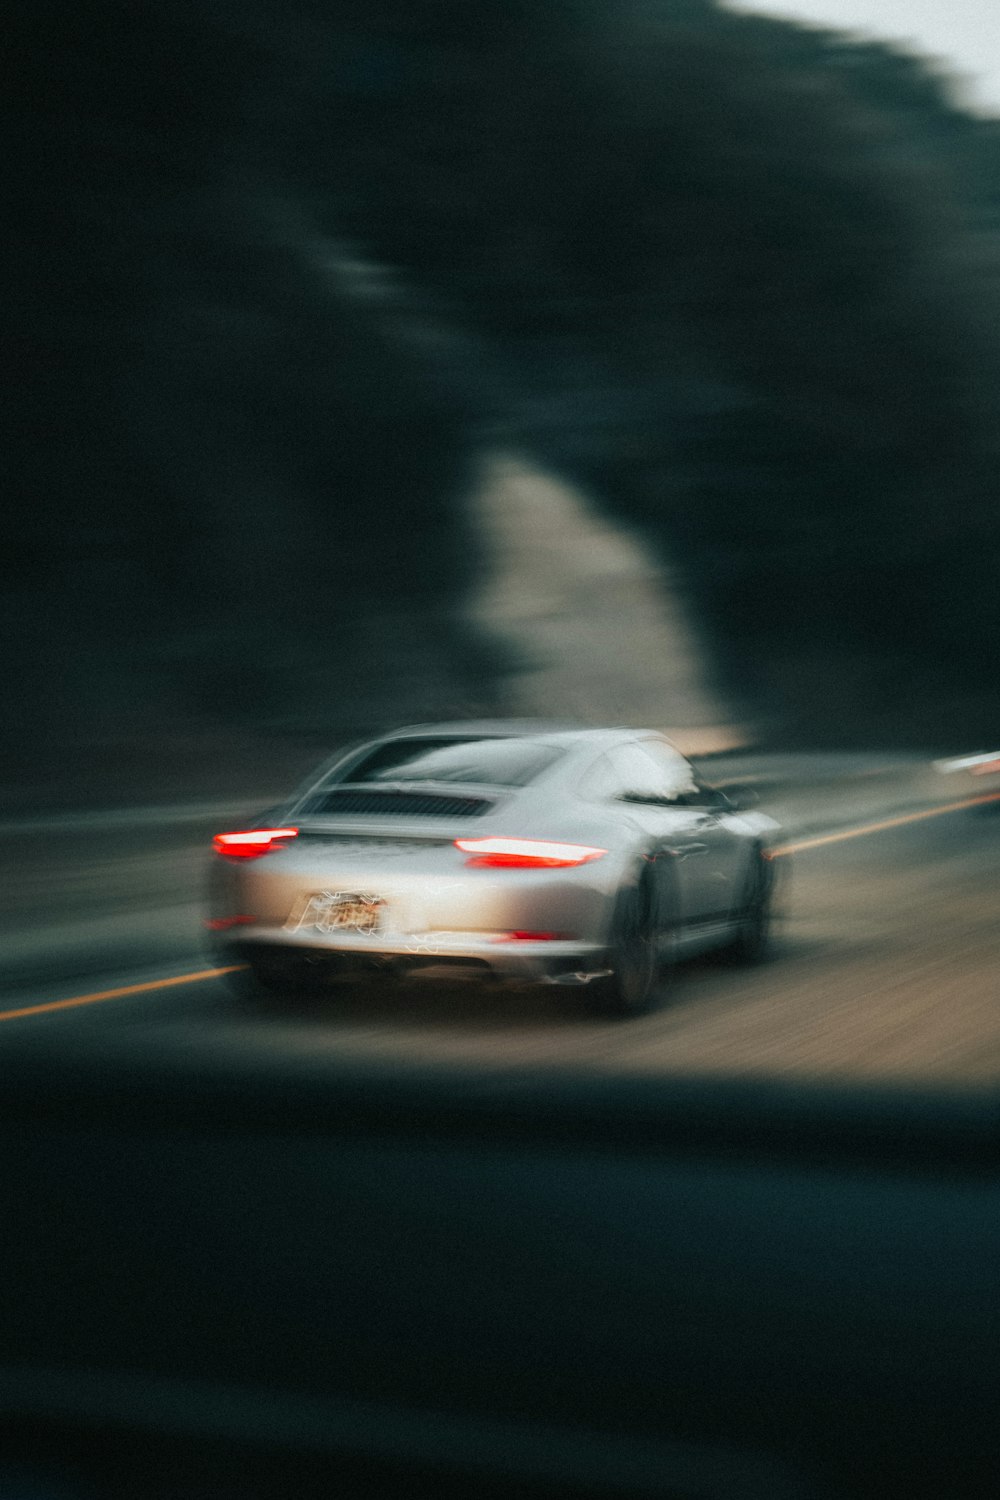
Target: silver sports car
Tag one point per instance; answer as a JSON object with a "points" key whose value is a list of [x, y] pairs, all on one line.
{"points": [[510, 851]]}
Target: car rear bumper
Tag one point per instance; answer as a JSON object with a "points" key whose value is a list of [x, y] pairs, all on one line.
{"points": [[479, 955]]}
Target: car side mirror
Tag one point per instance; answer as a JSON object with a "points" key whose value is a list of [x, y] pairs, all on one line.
{"points": [[740, 798]]}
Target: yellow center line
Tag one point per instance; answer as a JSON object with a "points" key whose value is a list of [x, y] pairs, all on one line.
{"points": [[782, 849], [866, 828], [127, 989]]}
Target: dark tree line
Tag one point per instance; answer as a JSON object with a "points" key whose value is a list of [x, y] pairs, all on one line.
{"points": [[276, 269]]}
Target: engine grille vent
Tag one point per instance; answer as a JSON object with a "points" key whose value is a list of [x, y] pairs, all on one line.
{"points": [[399, 804], [369, 843]]}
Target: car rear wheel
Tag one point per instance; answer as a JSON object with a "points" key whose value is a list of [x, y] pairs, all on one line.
{"points": [[632, 952], [269, 981], [753, 928]]}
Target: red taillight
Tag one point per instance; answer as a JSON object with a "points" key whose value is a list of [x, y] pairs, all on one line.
{"points": [[527, 853], [222, 924], [253, 844], [533, 937]]}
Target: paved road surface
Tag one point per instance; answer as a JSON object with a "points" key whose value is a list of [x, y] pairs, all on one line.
{"points": [[885, 967], [263, 1225]]}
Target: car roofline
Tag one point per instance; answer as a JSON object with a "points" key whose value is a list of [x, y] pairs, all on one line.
{"points": [[561, 729], [577, 736], [487, 728]]}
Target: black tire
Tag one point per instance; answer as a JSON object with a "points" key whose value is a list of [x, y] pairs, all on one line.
{"points": [[750, 943], [631, 986], [273, 983]]}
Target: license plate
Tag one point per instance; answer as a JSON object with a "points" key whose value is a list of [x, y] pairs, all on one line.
{"points": [[336, 911]]}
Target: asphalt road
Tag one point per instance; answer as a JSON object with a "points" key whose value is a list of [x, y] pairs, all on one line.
{"points": [[885, 968], [765, 1213]]}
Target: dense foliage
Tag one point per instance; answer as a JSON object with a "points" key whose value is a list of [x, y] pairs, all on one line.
{"points": [[280, 270]]}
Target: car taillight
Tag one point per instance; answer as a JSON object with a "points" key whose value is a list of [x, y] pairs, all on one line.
{"points": [[254, 843], [532, 937], [527, 853]]}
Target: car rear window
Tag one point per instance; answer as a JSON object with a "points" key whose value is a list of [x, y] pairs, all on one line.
{"points": [[493, 762]]}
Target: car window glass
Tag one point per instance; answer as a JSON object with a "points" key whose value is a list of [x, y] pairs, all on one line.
{"points": [[600, 781], [677, 773], [496, 762], [651, 770]]}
